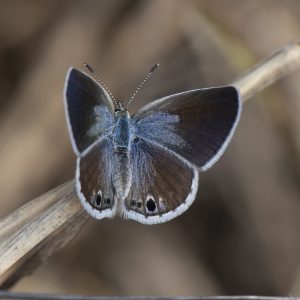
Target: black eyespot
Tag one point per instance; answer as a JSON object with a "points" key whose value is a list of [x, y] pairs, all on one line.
{"points": [[108, 201], [151, 205], [133, 203], [116, 110], [139, 205], [135, 139], [98, 199]]}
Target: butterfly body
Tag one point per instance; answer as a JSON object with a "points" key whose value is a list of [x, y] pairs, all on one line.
{"points": [[145, 167], [122, 174]]}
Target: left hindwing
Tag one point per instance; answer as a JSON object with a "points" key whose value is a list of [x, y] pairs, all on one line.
{"points": [[197, 124], [163, 184]]}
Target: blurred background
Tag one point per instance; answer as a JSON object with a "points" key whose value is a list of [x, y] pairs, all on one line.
{"points": [[241, 236]]}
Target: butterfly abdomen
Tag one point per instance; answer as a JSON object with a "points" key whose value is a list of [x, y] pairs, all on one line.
{"points": [[122, 174]]}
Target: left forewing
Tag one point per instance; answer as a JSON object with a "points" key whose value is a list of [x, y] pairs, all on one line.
{"points": [[197, 124]]}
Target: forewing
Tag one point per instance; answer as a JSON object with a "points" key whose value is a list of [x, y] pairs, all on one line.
{"points": [[197, 124], [88, 109], [163, 184], [94, 180]]}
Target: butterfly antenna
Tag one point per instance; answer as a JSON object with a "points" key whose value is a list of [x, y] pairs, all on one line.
{"points": [[101, 82], [142, 83]]}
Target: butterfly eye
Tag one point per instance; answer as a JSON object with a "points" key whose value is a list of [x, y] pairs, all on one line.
{"points": [[151, 205], [133, 203], [139, 204], [108, 201]]}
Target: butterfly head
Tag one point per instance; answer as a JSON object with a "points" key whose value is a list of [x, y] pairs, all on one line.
{"points": [[121, 110]]}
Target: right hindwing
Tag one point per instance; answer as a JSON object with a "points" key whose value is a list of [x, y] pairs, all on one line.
{"points": [[94, 180]]}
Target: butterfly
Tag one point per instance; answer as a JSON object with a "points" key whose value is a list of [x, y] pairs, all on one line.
{"points": [[145, 167]]}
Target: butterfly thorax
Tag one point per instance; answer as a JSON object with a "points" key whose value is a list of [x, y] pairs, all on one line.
{"points": [[122, 173], [121, 131]]}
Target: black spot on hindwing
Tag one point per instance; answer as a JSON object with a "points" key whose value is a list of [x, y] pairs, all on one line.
{"points": [[98, 199], [151, 205]]}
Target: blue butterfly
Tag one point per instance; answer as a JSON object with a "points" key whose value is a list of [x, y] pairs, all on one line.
{"points": [[145, 167]]}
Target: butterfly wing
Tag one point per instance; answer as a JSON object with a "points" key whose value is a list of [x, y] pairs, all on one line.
{"points": [[176, 137], [88, 110], [163, 186], [94, 180], [197, 124], [89, 116]]}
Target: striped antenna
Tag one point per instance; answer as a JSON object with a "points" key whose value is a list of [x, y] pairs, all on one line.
{"points": [[142, 83], [101, 82]]}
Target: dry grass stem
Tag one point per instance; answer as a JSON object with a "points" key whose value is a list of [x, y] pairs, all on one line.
{"points": [[30, 225], [35, 296], [278, 65]]}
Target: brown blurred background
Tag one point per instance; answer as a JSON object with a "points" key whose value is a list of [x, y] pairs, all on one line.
{"points": [[241, 236]]}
